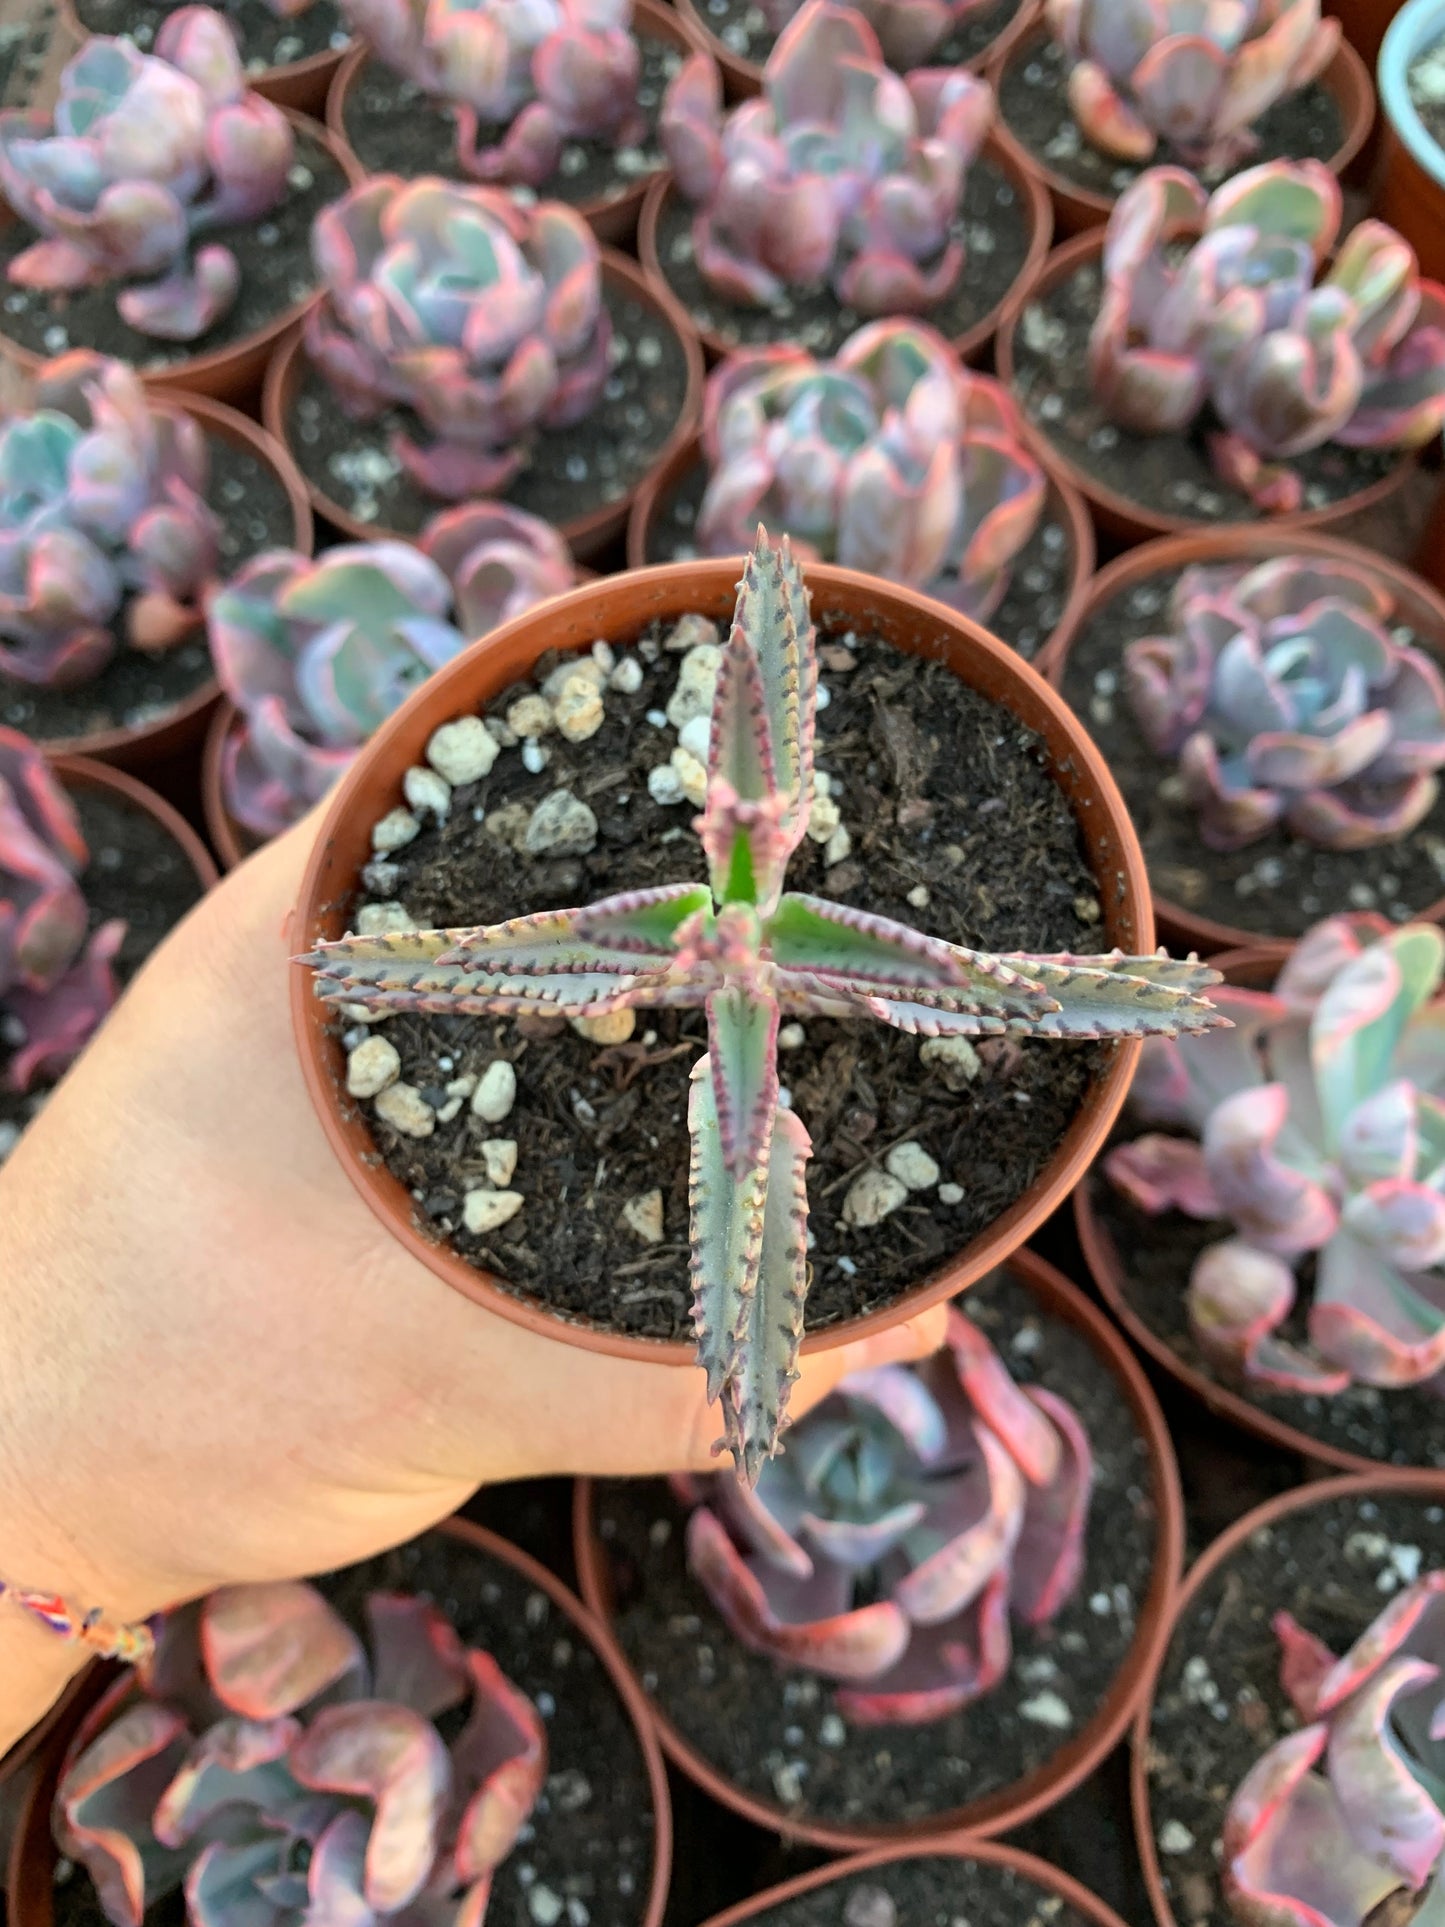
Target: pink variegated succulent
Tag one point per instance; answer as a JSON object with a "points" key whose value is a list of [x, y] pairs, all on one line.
{"points": [[841, 172], [1318, 1128], [55, 982], [1342, 1822], [1238, 322], [1286, 700], [916, 1512], [276, 1773], [1193, 77], [145, 152], [483, 317], [521, 76], [891, 458], [748, 952]]}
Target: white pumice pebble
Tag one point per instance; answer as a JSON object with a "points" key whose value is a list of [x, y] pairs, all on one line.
{"points": [[403, 1107], [822, 783], [499, 1154], [824, 817], [484, 1211], [954, 1058], [664, 785], [838, 846], [461, 1086], [873, 1197], [643, 1216], [371, 1067], [688, 631], [604, 655], [451, 1109], [384, 919], [696, 737], [912, 1166], [792, 1037], [496, 1092], [571, 669], [579, 709], [825, 696], [626, 678], [463, 751], [950, 1194], [613, 1028], [529, 716], [696, 685], [918, 896], [425, 790], [691, 774], [395, 830], [561, 825], [359, 1014], [534, 757], [501, 733]]}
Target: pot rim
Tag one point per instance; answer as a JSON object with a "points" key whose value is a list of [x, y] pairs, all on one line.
{"points": [[1414, 25], [1392, 1479], [622, 604], [289, 75], [87, 773], [1007, 1807], [221, 826], [1242, 541]]}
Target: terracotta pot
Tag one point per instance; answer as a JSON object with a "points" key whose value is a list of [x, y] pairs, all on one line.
{"points": [[585, 534], [1063, 505], [618, 608], [298, 84], [1380, 1480], [1009, 1807], [1067, 1890], [231, 374], [1364, 22], [1421, 607], [973, 344], [179, 729], [1117, 516], [613, 220], [744, 78], [80, 773], [1409, 183], [1077, 208], [31, 1867], [231, 840]]}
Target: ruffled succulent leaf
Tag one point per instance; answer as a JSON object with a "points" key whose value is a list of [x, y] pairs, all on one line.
{"points": [[235, 1761], [1158, 1174], [270, 1649], [500, 1765], [56, 1024], [417, 1659], [394, 1758], [107, 1792], [1238, 1298]]}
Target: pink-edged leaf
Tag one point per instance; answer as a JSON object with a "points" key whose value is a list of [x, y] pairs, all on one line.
{"points": [[58, 1023], [500, 1762], [417, 1659], [978, 1520], [1049, 1556], [1322, 953], [754, 1520], [335, 1878], [1360, 1018], [858, 1544], [1369, 1320], [742, 1034], [641, 922], [772, 611], [1413, 1622], [394, 1758], [1402, 1221], [827, 939], [907, 1404], [104, 1803], [727, 1234], [234, 1760], [1160, 1174], [1304, 1665], [1381, 1138], [945, 1668], [1276, 1207], [1238, 1297], [1390, 1815], [270, 1649], [223, 1884], [1003, 1407]]}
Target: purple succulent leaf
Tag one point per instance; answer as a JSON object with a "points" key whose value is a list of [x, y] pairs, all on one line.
{"points": [[1003, 493], [1371, 1321], [968, 1536], [1005, 1410], [858, 1544], [1295, 200], [234, 1760], [59, 1022], [1377, 269], [1401, 405], [335, 1893], [417, 1660], [690, 126], [1106, 117], [907, 1404], [187, 304], [42, 911], [946, 1667], [1401, 1221], [1412, 1624], [394, 1758], [202, 43], [763, 1519], [1167, 681], [250, 147], [107, 1792], [1390, 1816], [270, 775], [499, 1763], [1048, 1558], [270, 1649], [501, 562], [1305, 1663], [1180, 1080], [1415, 698], [224, 1883], [1380, 1139], [1238, 1298], [1233, 812], [1274, 1205], [1158, 1174]]}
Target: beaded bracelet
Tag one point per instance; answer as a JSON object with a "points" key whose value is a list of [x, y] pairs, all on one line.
{"points": [[107, 1637]]}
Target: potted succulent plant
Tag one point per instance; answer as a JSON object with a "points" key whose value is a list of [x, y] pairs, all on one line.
{"points": [[1182, 387], [94, 870], [843, 192], [1263, 1225], [118, 509], [1273, 711], [891, 458], [1094, 90], [1286, 1767], [349, 1744], [314, 655], [290, 48], [467, 345], [919, 1622], [1409, 182], [562, 99], [946, 1880]]}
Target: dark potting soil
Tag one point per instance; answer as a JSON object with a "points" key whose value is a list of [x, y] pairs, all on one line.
{"points": [[995, 242], [276, 274], [1172, 473], [1405, 1426], [918, 1893], [1034, 105], [394, 128], [776, 1731], [136, 871], [1276, 887], [589, 1843], [1025, 619], [266, 39], [743, 29], [135, 689], [1425, 78], [987, 834], [1219, 1705], [572, 472]]}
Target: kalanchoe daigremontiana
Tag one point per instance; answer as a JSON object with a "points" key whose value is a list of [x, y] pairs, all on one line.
{"points": [[146, 152], [891, 458], [1286, 700], [749, 953], [276, 1773], [841, 172], [483, 317], [1319, 1131], [1342, 1822], [1237, 322], [316, 655], [55, 986], [1195, 78], [102, 495], [520, 78], [915, 1512]]}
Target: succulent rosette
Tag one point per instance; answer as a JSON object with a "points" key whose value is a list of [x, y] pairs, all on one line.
{"points": [[841, 172], [909, 31], [144, 153], [270, 1768], [483, 317]]}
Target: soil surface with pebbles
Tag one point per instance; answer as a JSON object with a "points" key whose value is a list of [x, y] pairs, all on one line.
{"points": [[268, 38], [933, 1890]]}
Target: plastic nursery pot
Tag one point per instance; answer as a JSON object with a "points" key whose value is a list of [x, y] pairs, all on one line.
{"points": [[231, 840], [618, 609], [30, 1872], [612, 218], [1076, 208], [81, 773], [1063, 506], [178, 729], [585, 534], [1377, 1483], [232, 374], [1009, 1806], [970, 346], [1409, 183], [1117, 516], [299, 84], [1419, 605]]}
